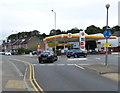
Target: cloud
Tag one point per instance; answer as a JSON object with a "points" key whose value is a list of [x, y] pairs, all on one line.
{"points": [[27, 15]]}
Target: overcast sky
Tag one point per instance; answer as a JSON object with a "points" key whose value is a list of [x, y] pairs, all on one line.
{"points": [[29, 15]]}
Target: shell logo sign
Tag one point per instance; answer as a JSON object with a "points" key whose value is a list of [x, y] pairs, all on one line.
{"points": [[69, 35], [82, 40], [82, 33]]}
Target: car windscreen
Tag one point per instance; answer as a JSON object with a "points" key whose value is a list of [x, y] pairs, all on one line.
{"points": [[78, 50], [70, 50], [45, 53]]}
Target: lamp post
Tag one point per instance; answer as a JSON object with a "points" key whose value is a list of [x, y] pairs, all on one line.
{"points": [[107, 7], [55, 27]]}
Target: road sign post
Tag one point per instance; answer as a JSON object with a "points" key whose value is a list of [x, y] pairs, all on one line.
{"points": [[107, 33]]}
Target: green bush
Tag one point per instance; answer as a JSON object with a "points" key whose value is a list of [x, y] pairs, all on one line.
{"points": [[21, 51], [27, 51]]}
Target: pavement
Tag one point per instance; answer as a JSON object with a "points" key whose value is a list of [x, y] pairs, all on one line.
{"points": [[109, 71], [15, 76]]}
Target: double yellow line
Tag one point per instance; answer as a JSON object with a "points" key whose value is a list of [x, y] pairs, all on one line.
{"points": [[33, 81]]}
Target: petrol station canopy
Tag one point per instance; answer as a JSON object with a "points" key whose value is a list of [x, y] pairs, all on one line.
{"points": [[75, 37]]}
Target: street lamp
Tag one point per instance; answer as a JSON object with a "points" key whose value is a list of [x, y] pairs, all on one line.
{"points": [[107, 7], [55, 27]]}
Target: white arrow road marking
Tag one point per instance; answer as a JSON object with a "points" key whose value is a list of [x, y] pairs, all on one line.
{"points": [[79, 66], [84, 64]]}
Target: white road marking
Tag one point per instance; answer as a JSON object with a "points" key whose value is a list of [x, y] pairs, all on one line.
{"points": [[78, 59], [35, 64], [25, 79], [84, 64], [60, 64], [97, 58], [42, 64], [70, 64], [50, 64], [79, 66], [17, 69]]}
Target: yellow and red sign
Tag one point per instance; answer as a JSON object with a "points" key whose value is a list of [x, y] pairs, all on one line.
{"points": [[107, 45], [38, 46]]}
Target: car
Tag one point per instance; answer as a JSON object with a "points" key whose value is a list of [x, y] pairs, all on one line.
{"points": [[47, 56], [34, 52], [76, 53], [8, 53], [2, 53], [70, 53]]}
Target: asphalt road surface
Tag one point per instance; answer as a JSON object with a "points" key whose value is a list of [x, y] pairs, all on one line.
{"points": [[65, 75]]}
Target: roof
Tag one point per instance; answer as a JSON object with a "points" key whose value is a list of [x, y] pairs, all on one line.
{"points": [[25, 41], [116, 33], [75, 37]]}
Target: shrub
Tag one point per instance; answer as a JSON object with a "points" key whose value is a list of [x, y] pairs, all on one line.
{"points": [[27, 51], [21, 51]]}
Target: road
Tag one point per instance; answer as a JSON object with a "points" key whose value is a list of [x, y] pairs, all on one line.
{"points": [[66, 75]]}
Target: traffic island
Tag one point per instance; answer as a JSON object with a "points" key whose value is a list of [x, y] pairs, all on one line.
{"points": [[110, 71]]}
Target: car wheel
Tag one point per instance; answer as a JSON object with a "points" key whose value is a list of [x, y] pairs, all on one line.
{"points": [[39, 60], [75, 56], [78, 56], [68, 56], [52, 60], [56, 59], [85, 55]]}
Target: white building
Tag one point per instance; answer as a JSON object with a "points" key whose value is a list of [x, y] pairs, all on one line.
{"points": [[119, 13], [114, 42]]}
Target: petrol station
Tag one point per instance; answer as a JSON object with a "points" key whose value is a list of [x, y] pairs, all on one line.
{"points": [[80, 40]]}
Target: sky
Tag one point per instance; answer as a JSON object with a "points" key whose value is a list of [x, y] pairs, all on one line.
{"points": [[28, 15]]}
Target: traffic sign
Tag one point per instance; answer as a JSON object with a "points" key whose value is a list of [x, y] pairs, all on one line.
{"points": [[107, 33], [39, 46], [107, 45]]}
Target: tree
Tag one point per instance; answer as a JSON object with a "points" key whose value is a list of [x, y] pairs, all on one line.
{"points": [[63, 32], [93, 30], [43, 35], [52, 32], [11, 37], [35, 31], [104, 28], [58, 32], [115, 28], [73, 30]]}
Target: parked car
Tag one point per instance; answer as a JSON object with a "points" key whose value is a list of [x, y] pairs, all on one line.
{"points": [[76, 53], [34, 52], [2, 53], [8, 53], [47, 56]]}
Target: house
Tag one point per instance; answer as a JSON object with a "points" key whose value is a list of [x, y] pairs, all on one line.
{"points": [[28, 43]]}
